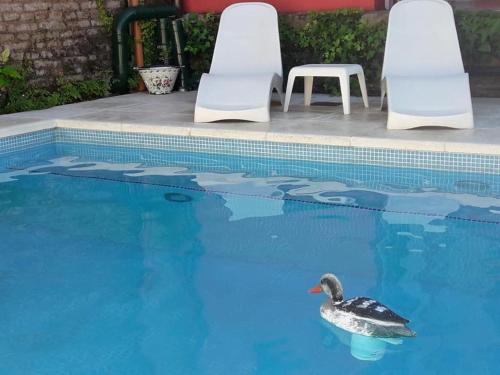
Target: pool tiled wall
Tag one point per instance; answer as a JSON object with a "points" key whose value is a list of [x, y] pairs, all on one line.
{"points": [[26, 140], [295, 151]]}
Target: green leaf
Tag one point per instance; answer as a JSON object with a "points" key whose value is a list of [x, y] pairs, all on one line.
{"points": [[10, 71], [4, 56]]}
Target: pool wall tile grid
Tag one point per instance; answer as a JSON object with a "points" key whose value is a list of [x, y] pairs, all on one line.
{"points": [[397, 180], [26, 140], [294, 151]]}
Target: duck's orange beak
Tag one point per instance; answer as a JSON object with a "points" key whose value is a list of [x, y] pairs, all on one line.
{"points": [[316, 289]]}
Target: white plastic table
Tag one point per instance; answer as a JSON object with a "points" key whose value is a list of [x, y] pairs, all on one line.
{"points": [[341, 71]]}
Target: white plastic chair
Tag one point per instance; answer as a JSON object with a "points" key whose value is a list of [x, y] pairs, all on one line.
{"points": [[246, 66], [423, 73]]}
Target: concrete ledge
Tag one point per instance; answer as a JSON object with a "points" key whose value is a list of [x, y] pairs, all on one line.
{"points": [[318, 124]]}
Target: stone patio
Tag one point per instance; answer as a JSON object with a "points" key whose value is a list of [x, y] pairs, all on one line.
{"points": [[322, 123]]}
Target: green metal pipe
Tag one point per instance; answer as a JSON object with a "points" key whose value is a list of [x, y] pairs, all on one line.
{"points": [[121, 39], [179, 42]]}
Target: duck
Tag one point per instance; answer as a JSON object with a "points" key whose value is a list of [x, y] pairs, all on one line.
{"points": [[361, 315]]}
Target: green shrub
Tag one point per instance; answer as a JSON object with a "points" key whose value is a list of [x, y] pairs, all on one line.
{"points": [[105, 17], [331, 37], [346, 36], [150, 41], [201, 31], [479, 34], [342, 36], [291, 55], [8, 73], [22, 96]]}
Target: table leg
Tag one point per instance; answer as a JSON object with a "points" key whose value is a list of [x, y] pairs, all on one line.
{"points": [[362, 85], [383, 90], [289, 89], [345, 90], [308, 88]]}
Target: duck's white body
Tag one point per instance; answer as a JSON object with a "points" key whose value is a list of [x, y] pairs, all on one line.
{"points": [[384, 323], [360, 315]]}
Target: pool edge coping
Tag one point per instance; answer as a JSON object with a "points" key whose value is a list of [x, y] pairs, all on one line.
{"points": [[262, 136]]}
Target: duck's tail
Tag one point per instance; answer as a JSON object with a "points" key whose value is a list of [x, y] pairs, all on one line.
{"points": [[394, 331], [404, 331]]}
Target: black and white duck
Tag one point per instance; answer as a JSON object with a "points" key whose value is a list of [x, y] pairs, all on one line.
{"points": [[360, 315]]}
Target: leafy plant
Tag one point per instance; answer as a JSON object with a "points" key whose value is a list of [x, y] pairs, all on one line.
{"points": [[133, 78], [291, 54], [149, 40], [344, 37], [22, 96], [154, 51], [164, 56], [76, 91], [8, 73], [479, 34], [4, 56], [105, 17], [201, 31]]}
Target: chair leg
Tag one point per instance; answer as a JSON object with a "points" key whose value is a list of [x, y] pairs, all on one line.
{"points": [[382, 94], [345, 90], [289, 89], [362, 85], [308, 88], [279, 90]]}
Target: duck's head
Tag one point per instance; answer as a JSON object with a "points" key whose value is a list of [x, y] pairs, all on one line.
{"points": [[331, 286]]}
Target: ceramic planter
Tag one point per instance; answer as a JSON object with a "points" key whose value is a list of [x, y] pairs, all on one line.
{"points": [[159, 80]]}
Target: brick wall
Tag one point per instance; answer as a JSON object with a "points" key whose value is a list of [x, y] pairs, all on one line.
{"points": [[56, 37]]}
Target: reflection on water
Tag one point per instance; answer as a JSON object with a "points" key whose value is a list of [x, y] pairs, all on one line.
{"points": [[364, 348], [126, 281], [422, 204]]}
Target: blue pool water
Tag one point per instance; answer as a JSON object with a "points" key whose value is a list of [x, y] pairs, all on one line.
{"points": [[128, 261]]}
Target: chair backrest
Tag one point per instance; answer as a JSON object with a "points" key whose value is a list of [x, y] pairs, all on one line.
{"points": [[247, 41], [422, 40]]}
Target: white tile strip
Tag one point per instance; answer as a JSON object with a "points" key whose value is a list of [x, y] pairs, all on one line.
{"points": [[458, 162], [307, 131]]}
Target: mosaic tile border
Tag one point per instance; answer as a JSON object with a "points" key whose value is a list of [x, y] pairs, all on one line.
{"points": [[381, 178], [26, 140], [295, 151], [446, 161]]}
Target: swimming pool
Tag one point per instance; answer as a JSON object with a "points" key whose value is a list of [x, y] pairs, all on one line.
{"points": [[131, 261]]}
